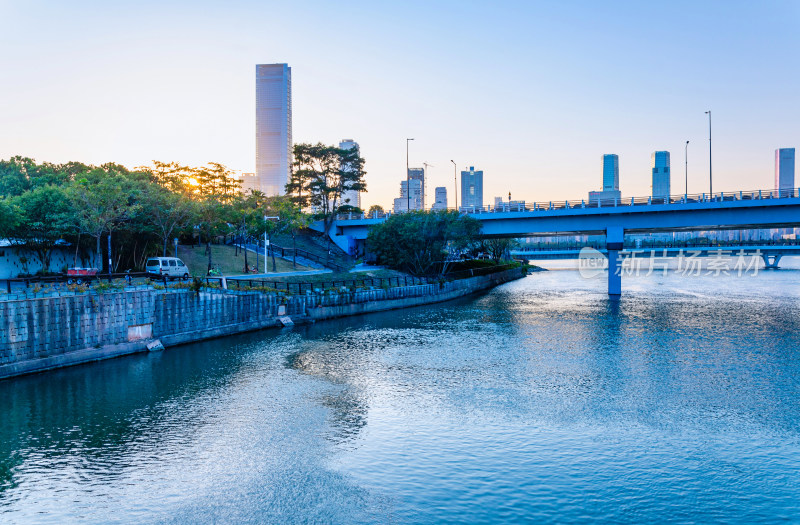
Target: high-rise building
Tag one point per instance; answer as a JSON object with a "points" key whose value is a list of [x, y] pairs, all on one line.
{"points": [[659, 162], [350, 197], [273, 127], [472, 188], [440, 199], [784, 169], [610, 172], [418, 174], [610, 192], [406, 202]]}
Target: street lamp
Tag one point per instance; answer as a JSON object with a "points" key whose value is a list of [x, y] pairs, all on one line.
{"points": [[408, 180], [686, 162], [266, 242], [710, 184], [455, 182]]}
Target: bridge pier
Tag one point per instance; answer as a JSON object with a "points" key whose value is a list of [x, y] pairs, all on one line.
{"points": [[771, 261], [615, 237]]}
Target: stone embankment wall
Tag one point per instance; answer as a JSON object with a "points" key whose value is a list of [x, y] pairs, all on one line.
{"points": [[49, 332]]}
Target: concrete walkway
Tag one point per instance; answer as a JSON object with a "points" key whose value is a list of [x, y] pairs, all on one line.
{"points": [[276, 274]]}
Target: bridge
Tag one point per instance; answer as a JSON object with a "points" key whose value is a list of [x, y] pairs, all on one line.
{"points": [[771, 254], [613, 219]]}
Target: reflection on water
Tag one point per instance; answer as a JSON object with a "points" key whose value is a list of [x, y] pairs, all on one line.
{"points": [[540, 400]]}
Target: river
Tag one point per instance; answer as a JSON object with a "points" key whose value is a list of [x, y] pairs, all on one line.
{"points": [[540, 401]]}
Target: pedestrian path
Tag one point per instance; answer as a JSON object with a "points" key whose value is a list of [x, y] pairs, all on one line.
{"points": [[276, 274]]}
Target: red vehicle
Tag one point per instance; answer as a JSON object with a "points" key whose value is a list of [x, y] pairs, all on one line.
{"points": [[79, 275]]}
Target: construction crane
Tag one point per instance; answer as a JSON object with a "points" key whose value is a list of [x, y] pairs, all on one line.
{"points": [[425, 181]]}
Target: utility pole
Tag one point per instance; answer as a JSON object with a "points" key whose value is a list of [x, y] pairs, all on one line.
{"points": [[425, 182], [686, 162], [710, 180], [455, 181], [408, 180]]}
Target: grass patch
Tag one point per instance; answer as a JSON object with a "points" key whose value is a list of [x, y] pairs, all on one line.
{"points": [[229, 263]]}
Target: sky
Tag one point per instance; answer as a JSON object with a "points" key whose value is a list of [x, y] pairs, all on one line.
{"points": [[532, 93]]}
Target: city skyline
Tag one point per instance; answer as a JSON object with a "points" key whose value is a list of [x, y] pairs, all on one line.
{"points": [[132, 102]]}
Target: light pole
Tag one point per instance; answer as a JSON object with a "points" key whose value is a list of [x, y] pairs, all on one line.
{"points": [[455, 181], [686, 162], [266, 242], [710, 180], [408, 180]]}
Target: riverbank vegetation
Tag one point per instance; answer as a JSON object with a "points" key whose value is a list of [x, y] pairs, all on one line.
{"points": [[112, 213], [435, 243]]}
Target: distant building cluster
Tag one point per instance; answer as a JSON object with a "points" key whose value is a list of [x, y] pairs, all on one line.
{"points": [[661, 176], [274, 159]]}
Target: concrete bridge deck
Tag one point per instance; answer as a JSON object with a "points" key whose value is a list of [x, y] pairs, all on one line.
{"points": [[725, 210]]}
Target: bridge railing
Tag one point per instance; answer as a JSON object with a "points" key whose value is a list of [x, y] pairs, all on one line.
{"points": [[680, 199], [546, 247]]}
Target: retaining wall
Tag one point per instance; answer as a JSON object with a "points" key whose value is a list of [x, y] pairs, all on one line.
{"points": [[49, 332]]}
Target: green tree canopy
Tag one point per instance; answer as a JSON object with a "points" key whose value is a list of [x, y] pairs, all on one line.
{"points": [[43, 220], [421, 242]]}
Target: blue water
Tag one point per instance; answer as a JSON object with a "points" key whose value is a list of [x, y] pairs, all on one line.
{"points": [[540, 401]]}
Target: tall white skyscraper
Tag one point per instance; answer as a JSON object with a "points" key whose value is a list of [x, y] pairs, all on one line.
{"points": [[273, 127], [784, 169], [659, 162], [350, 197]]}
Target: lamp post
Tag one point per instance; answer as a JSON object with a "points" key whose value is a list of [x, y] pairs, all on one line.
{"points": [[686, 175], [710, 180], [455, 182], [408, 180], [266, 242]]}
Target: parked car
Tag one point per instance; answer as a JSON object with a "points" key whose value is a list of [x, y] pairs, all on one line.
{"points": [[170, 267]]}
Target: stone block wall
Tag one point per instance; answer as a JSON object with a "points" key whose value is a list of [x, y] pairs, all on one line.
{"points": [[48, 332]]}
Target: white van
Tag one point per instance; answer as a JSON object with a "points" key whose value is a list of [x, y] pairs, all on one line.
{"points": [[166, 266]]}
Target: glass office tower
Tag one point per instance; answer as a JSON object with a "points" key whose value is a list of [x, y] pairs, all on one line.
{"points": [[472, 188], [659, 162], [784, 169], [273, 127]]}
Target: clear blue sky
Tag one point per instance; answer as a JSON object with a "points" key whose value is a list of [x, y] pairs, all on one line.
{"points": [[532, 93]]}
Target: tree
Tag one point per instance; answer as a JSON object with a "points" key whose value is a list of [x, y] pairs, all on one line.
{"points": [[45, 213], [499, 248], [102, 206], [422, 241], [293, 220], [170, 175], [9, 218], [321, 174], [375, 211], [166, 211]]}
